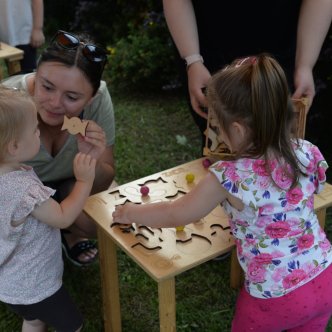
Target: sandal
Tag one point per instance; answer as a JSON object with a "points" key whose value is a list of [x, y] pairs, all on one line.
{"points": [[77, 249]]}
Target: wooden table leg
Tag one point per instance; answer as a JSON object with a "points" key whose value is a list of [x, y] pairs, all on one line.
{"points": [[237, 276], [167, 306], [110, 282], [13, 67], [321, 215]]}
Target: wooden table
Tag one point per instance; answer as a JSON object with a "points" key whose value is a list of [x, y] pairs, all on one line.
{"points": [[162, 253], [12, 56]]}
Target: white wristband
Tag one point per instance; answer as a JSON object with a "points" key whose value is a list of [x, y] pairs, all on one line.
{"points": [[192, 59]]}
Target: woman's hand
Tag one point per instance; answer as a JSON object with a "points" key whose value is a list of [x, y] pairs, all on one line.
{"points": [[304, 85], [94, 141], [198, 76]]}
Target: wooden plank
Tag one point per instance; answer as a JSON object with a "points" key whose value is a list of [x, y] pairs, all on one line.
{"points": [[10, 52], [110, 282], [167, 306], [12, 57]]}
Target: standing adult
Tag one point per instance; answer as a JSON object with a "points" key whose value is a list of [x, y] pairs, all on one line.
{"points": [[67, 82], [21, 25], [209, 34]]}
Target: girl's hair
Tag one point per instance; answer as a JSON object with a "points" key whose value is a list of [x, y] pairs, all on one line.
{"points": [[253, 91], [15, 109], [74, 57]]}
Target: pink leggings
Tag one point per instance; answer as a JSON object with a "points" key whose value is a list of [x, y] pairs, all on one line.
{"points": [[306, 309]]}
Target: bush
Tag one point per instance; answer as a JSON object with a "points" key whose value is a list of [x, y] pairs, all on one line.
{"points": [[142, 54], [145, 58]]}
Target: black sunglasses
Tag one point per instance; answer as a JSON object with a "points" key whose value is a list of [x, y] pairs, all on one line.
{"points": [[68, 41]]}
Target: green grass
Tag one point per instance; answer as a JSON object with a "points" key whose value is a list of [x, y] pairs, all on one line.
{"points": [[147, 129]]}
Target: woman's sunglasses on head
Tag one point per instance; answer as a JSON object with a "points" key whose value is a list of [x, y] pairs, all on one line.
{"points": [[69, 41]]}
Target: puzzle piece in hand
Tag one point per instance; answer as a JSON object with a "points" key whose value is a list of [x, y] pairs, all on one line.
{"points": [[74, 125]]}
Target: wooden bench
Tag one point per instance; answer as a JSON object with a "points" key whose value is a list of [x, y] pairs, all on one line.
{"points": [[12, 57]]}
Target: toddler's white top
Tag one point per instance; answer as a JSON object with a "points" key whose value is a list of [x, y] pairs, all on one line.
{"points": [[31, 263]]}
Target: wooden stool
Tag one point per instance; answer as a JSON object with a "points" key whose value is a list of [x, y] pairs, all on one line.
{"points": [[12, 57]]}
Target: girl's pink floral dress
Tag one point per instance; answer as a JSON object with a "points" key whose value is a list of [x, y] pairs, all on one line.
{"points": [[280, 244]]}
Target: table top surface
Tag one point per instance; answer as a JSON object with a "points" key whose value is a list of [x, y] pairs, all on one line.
{"points": [[10, 52], [163, 252], [166, 252]]}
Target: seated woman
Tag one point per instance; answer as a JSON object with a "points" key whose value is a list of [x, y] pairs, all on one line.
{"points": [[68, 83]]}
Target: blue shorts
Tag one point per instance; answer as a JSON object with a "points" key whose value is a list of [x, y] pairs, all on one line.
{"points": [[57, 311]]}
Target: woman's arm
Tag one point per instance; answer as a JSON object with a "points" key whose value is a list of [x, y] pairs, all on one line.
{"points": [[37, 35], [100, 137], [181, 21], [314, 22], [105, 171]]}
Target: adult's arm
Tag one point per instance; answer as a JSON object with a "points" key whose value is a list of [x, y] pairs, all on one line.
{"points": [[181, 22], [37, 35], [314, 22], [105, 171], [102, 129]]}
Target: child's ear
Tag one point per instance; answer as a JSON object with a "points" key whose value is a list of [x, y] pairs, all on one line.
{"points": [[239, 129], [12, 147]]}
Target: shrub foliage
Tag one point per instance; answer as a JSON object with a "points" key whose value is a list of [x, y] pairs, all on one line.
{"points": [[141, 50]]}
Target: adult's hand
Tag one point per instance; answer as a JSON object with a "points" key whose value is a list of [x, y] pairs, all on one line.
{"points": [[37, 38], [198, 76], [304, 85], [94, 141]]}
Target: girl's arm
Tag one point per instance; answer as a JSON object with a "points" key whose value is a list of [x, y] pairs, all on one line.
{"points": [[105, 171], [189, 208], [64, 214], [94, 144]]}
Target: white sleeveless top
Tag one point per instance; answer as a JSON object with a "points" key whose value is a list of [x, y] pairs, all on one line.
{"points": [[15, 22]]}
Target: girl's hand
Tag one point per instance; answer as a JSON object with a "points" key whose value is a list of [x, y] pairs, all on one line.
{"points": [[94, 141], [120, 215], [84, 168]]}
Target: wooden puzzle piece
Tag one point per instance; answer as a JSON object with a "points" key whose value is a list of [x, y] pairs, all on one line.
{"points": [[74, 125], [213, 137]]}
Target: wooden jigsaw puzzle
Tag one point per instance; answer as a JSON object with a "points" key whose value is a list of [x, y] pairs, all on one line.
{"points": [[164, 249], [74, 125], [215, 147]]}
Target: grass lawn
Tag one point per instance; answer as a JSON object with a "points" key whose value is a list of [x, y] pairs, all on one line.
{"points": [[153, 133]]}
